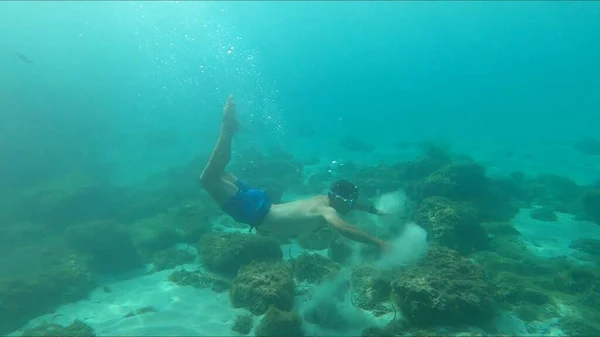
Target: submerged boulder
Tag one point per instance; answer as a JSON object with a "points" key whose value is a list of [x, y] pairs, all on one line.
{"points": [[445, 289], [109, 246], [314, 268], [261, 285], [455, 225], [226, 252], [280, 323]]}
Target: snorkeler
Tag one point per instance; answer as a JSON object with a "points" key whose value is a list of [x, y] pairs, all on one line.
{"points": [[253, 207]]}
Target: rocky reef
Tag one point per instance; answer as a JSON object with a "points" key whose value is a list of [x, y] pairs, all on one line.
{"points": [[226, 253], [445, 289], [280, 323], [261, 285]]}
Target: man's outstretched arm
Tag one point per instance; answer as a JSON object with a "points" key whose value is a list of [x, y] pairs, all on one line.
{"points": [[349, 231]]}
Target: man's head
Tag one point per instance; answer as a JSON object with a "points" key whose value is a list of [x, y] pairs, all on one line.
{"points": [[343, 195]]}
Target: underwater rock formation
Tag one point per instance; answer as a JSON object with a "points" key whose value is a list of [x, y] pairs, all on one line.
{"points": [[445, 289], [140, 311], [260, 285], [318, 239], [226, 252], [243, 324], [279, 323], [560, 193], [460, 180], [75, 329], [73, 199], [186, 224], [369, 287], [591, 204], [200, 280], [339, 250], [545, 213], [314, 268], [452, 224], [34, 281], [109, 246], [171, 258]]}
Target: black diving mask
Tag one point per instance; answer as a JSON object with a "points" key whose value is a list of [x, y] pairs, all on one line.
{"points": [[350, 202]]}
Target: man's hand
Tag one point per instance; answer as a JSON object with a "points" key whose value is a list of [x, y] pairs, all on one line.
{"points": [[386, 247]]}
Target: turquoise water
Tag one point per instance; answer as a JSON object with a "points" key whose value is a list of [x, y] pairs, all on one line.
{"points": [[120, 92]]}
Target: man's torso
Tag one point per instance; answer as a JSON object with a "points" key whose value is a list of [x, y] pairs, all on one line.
{"points": [[296, 217]]}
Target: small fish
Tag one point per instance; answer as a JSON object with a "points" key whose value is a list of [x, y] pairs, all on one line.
{"points": [[24, 58]]}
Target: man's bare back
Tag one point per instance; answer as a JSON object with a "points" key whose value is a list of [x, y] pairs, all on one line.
{"points": [[296, 217], [253, 206]]}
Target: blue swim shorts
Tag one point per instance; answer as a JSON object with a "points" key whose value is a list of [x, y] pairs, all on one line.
{"points": [[249, 205]]}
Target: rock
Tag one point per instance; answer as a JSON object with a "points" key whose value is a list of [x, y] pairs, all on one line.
{"points": [[452, 224], [340, 250], [75, 329], [143, 310], [461, 180], [591, 204], [545, 213], [242, 324], [314, 268], [171, 258], [280, 323], [226, 252], [318, 239], [588, 246], [445, 289], [369, 288], [200, 280], [107, 244], [37, 280], [260, 285]]}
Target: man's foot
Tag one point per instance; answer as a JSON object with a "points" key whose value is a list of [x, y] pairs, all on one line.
{"points": [[230, 121]]}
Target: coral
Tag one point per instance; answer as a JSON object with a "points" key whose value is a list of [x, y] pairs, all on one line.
{"points": [[242, 324], [314, 268], [170, 258], [198, 279], [545, 213], [452, 224], [226, 252], [369, 287], [444, 289], [262, 284], [318, 239], [109, 246], [340, 250], [75, 329], [280, 323]]}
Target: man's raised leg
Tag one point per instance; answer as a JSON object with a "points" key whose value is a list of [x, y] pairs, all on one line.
{"points": [[219, 184]]}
